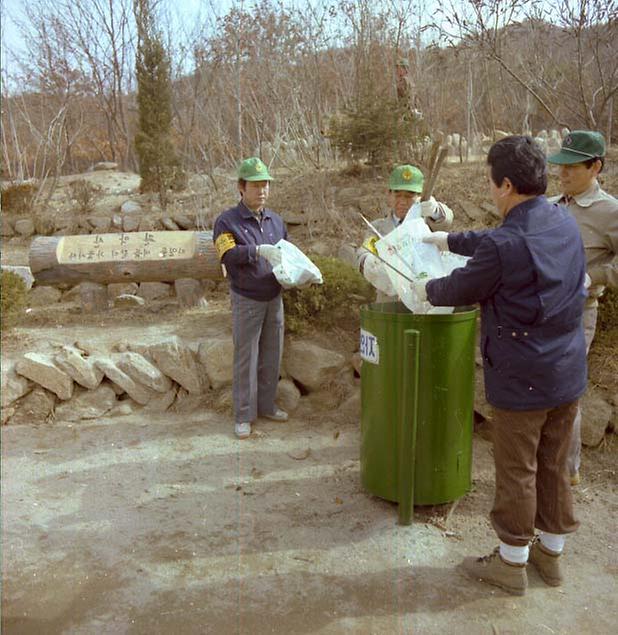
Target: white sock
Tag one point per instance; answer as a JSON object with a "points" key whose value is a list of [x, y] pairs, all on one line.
{"points": [[553, 542], [516, 555]]}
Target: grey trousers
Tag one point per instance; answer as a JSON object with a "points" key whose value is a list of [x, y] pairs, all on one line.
{"points": [[257, 332], [575, 449]]}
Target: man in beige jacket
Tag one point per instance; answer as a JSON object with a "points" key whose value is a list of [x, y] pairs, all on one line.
{"points": [[581, 159]]}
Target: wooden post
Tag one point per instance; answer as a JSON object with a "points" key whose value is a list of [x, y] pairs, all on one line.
{"points": [[124, 257]]}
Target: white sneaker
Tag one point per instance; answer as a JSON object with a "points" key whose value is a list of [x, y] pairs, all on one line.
{"points": [[242, 430], [278, 415]]}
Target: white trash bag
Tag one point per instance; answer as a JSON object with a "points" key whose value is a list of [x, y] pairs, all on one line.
{"points": [[295, 269]]}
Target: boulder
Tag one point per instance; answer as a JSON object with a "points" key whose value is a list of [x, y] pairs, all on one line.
{"points": [[175, 359], [217, 357], [162, 402], [24, 227], [81, 369], [7, 230], [143, 372], [127, 301], [183, 221], [131, 207], [310, 364], [23, 272], [169, 224], [87, 404], [596, 416], [44, 296], [117, 221], [149, 224], [42, 370], [100, 224], [130, 223], [36, 407], [288, 395], [115, 289], [189, 292], [104, 165], [138, 392], [154, 290], [14, 386]]}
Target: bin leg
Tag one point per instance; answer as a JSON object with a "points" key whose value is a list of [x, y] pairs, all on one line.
{"points": [[407, 425]]}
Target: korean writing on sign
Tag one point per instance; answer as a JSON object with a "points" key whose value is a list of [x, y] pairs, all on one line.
{"points": [[134, 246], [369, 349]]}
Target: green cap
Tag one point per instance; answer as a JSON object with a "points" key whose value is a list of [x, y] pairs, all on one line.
{"points": [[406, 177], [253, 169], [579, 146]]}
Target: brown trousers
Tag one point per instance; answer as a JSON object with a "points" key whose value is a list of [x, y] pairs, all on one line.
{"points": [[533, 487]]}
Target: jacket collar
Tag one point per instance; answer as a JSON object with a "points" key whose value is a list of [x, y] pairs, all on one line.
{"points": [[245, 212], [517, 212], [590, 196]]}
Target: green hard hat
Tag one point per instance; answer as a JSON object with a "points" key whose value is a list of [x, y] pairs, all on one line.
{"points": [[406, 177], [253, 169], [579, 146]]}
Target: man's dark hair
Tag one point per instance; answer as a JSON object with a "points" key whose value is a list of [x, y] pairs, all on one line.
{"points": [[591, 162], [520, 160], [242, 183]]}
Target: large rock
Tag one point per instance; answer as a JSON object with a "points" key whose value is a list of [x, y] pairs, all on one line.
{"points": [[154, 290], [44, 296], [189, 292], [100, 224], [35, 407], [143, 372], [23, 272], [81, 369], [183, 221], [310, 364], [169, 224], [14, 386], [175, 359], [288, 395], [42, 370], [596, 416], [138, 392], [130, 207], [128, 301], [88, 404], [7, 228], [217, 357], [24, 227], [162, 402], [130, 223]]}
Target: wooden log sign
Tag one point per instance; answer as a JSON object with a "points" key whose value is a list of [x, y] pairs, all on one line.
{"points": [[128, 257]]}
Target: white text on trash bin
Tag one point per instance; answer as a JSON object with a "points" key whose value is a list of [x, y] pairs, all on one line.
{"points": [[369, 349]]}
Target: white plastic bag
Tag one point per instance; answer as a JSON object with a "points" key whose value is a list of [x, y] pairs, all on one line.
{"points": [[295, 269]]}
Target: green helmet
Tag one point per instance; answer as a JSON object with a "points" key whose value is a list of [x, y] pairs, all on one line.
{"points": [[579, 146], [406, 177], [253, 169]]}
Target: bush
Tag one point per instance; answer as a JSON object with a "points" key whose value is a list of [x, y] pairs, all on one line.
{"points": [[14, 295], [18, 197], [83, 193], [333, 303]]}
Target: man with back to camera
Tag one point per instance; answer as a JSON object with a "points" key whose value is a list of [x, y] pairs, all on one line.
{"points": [[580, 161], [528, 275], [245, 237], [405, 186]]}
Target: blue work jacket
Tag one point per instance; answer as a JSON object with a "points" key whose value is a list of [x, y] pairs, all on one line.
{"points": [[238, 231], [528, 276]]}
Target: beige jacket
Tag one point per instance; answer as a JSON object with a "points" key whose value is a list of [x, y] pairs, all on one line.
{"points": [[596, 213]]}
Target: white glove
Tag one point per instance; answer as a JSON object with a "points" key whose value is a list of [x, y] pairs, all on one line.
{"points": [[418, 286], [587, 281], [437, 212], [271, 253], [375, 273], [439, 239]]}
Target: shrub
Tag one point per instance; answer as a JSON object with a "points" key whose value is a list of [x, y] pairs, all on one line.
{"points": [[83, 193], [14, 295], [18, 197], [333, 303]]}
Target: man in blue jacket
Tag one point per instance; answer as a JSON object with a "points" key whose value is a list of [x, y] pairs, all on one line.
{"points": [[528, 276], [245, 238]]}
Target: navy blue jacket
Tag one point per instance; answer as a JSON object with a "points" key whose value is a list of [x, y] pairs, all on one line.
{"points": [[236, 233], [528, 275]]}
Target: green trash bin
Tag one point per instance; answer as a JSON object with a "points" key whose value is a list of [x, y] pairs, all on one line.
{"points": [[417, 395]]}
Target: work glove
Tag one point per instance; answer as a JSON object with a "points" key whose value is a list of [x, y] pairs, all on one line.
{"points": [[375, 273], [436, 212], [587, 281], [439, 239], [418, 287], [271, 253]]}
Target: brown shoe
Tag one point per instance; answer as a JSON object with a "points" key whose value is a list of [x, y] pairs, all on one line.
{"points": [[546, 562], [494, 570]]}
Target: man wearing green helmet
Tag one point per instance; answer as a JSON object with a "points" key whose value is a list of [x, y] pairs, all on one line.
{"points": [[245, 238], [580, 161], [405, 186]]}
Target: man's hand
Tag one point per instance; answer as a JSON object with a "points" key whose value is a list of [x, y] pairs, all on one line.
{"points": [[431, 210], [418, 286], [270, 253], [439, 239]]}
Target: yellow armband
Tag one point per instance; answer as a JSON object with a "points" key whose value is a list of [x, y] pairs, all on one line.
{"points": [[370, 244], [224, 243]]}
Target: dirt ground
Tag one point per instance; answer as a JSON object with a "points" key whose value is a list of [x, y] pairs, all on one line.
{"points": [[169, 524]]}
